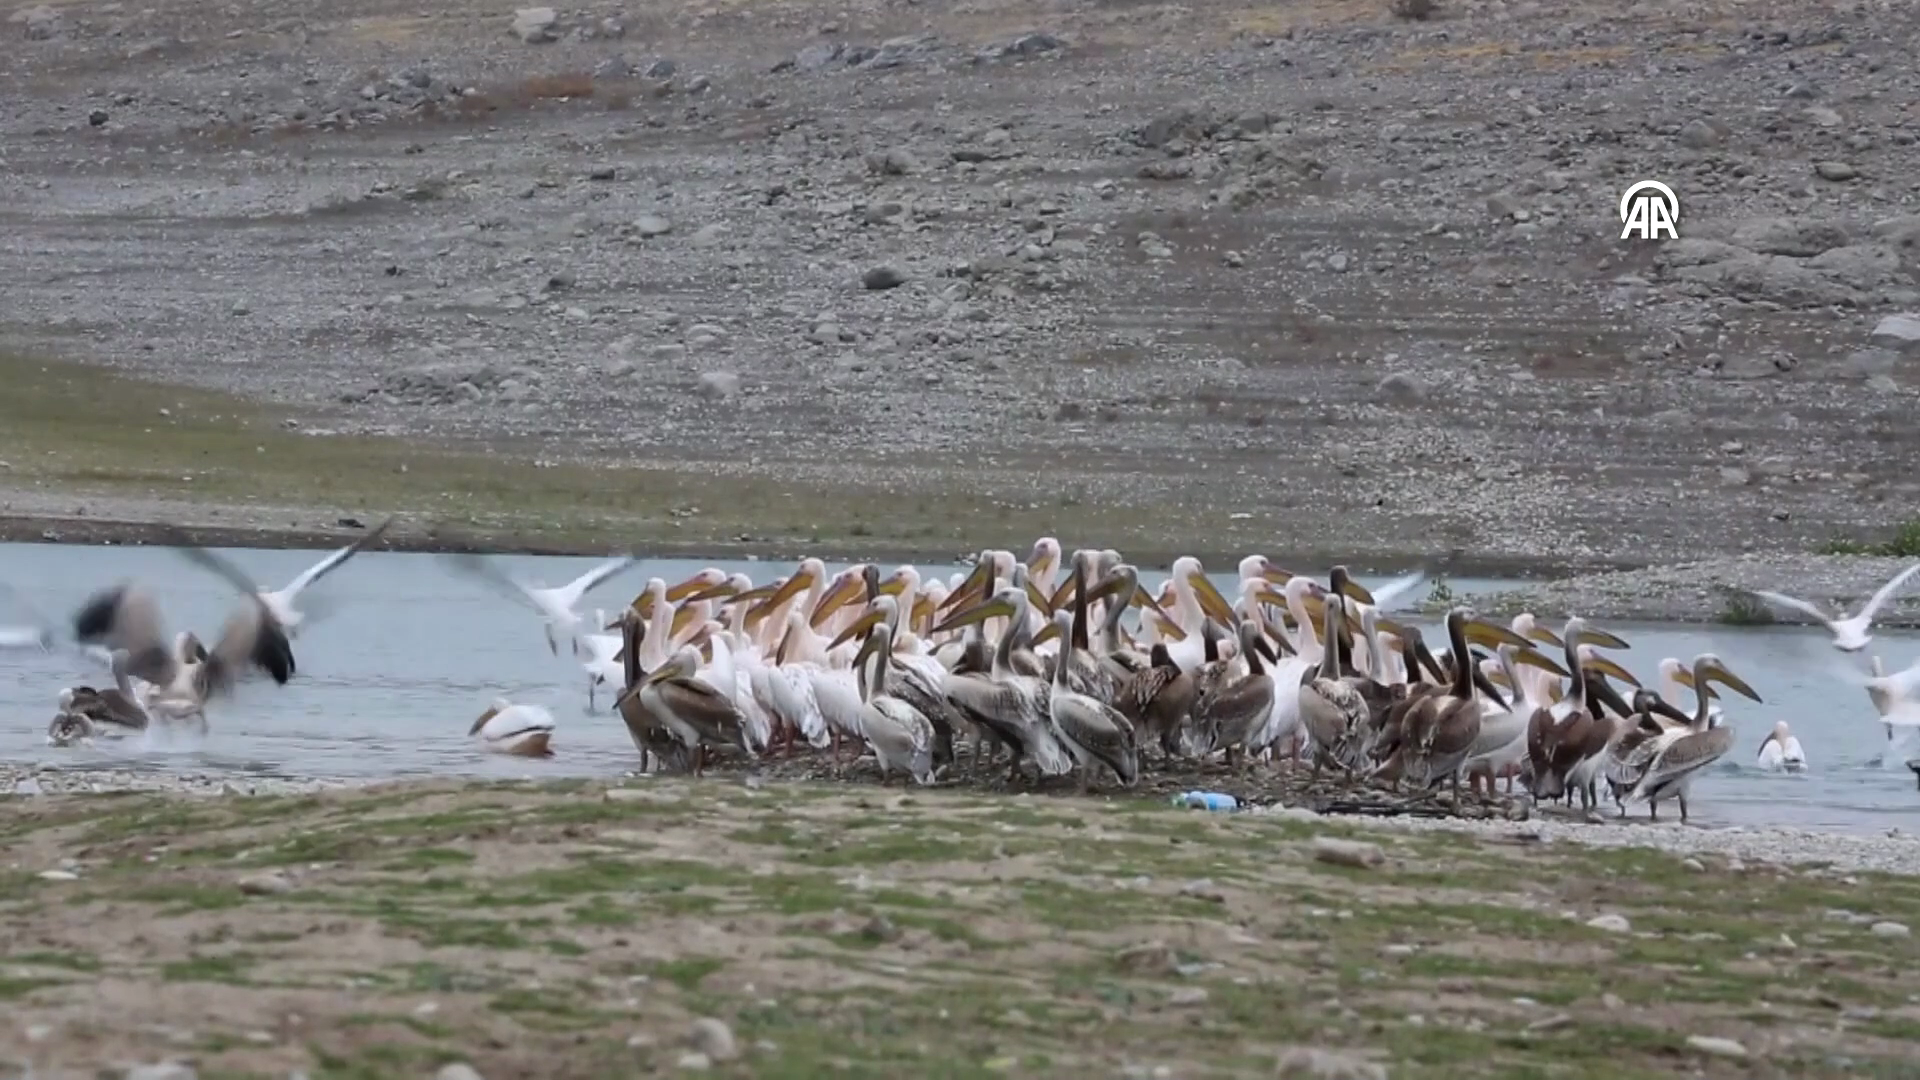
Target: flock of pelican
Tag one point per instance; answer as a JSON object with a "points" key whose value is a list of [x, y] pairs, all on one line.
{"points": [[1055, 666]]}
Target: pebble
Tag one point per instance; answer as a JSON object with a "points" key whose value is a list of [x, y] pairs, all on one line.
{"points": [[1613, 924], [695, 1061], [1355, 853], [458, 1070], [884, 276], [1716, 1046], [166, 1070], [1314, 1063], [267, 884], [1890, 929], [58, 875], [713, 1039]]}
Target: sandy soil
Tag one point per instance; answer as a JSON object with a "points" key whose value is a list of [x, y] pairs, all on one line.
{"points": [[1210, 276], [794, 930]]}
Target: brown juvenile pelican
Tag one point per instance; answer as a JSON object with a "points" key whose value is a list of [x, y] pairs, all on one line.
{"points": [[696, 714], [1238, 707], [1330, 706], [1006, 702], [1158, 699], [1680, 754], [1439, 732]]}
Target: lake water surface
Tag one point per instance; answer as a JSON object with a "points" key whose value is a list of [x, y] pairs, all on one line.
{"points": [[410, 653]]}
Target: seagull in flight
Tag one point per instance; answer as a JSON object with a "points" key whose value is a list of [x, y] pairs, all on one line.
{"points": [[555, 605], [1849, 634]]}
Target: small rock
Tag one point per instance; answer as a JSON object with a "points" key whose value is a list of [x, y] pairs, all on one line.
{"points": [[97, 117], [1718, 1047], [1203, 889], [1612, 924], [1698, 135], [880, 928], [535, 25], [651, 225], [719, 385], [267, 884], [1187, 996], [1897, 333], [1400, 389], [1890, 929], [1355, 853], [1835, 171], [165, 1070], [884, 276], [603, 172], [1313, 1063], [714, 1039], [1696, 865], [58, 875], [1412, 9], [694, 1061]]}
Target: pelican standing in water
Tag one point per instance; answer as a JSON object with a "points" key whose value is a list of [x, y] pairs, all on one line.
{"points": [[1850, 633], [1781, 751]]}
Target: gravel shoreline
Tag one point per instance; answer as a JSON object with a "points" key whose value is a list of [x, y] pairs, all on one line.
{"points": [[1894, 853], [1711, 591]]}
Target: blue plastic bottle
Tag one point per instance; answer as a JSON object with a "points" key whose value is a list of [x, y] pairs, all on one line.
{"points": [[1207, 800]]}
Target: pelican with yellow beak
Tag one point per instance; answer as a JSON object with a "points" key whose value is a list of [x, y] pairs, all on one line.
{"points": [[1195, 600]]}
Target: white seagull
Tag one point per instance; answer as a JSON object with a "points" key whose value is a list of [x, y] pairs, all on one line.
{"points": [[555, 604], [1849, 634]]}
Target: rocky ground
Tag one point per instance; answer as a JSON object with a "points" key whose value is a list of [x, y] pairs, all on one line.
{"points": [[1720, 591], [1308, 277], [559, 931]]}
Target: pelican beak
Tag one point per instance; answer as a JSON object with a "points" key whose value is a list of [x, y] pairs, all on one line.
{"points": [[1499, 678], [860, 626], [1535, 658], [923, 611], [1211, 602], [1542, 634], [681, 617], [1168, 628], [867, 647], [1493, 635], [1720, 674], [1046, 633], [1064, 594], [1274, 575], [697, 583], [1037, 598], [1685, 678], [977, 614], [1268, 596], [782, 592], [846, 588], [974, 586], [1612, 670], [1389, 626], [1353, 590], [894, 585], [1555, 692], [1593, 635], [1040, 560], [723, 590]]}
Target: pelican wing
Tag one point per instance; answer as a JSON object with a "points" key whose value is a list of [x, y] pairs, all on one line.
{"points": [[333, 562], [707, 711], [1498, 731], [1100, 730], [1886, 592], [1682, 756], [1784, 600], [573, 590], [1237, 709], [901, 736], [25, 637], [1393, 592]]}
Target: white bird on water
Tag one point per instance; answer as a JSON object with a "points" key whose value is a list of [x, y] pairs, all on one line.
{"points": [[555, 604], [517, 730], [1781, 751], [1849, 634]]}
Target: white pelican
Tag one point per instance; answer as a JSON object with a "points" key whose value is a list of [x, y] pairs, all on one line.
{"points": [[1673, 689], [1781, 751], [1850, 634], [518, 730], [1043, 565], [1679, 754], [555, 605], [1195, 600], [901, 736]]}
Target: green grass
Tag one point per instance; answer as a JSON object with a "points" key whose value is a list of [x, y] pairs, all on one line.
{"points": [[872, 936], [83, 429], [1902, 543]]}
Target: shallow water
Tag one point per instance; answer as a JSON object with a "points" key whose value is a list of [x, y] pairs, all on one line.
{"points": [[408, 653]]}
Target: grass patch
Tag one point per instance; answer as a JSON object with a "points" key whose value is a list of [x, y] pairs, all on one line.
{"points": [[1904, 543], [87, 430], [1744, 609]]}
